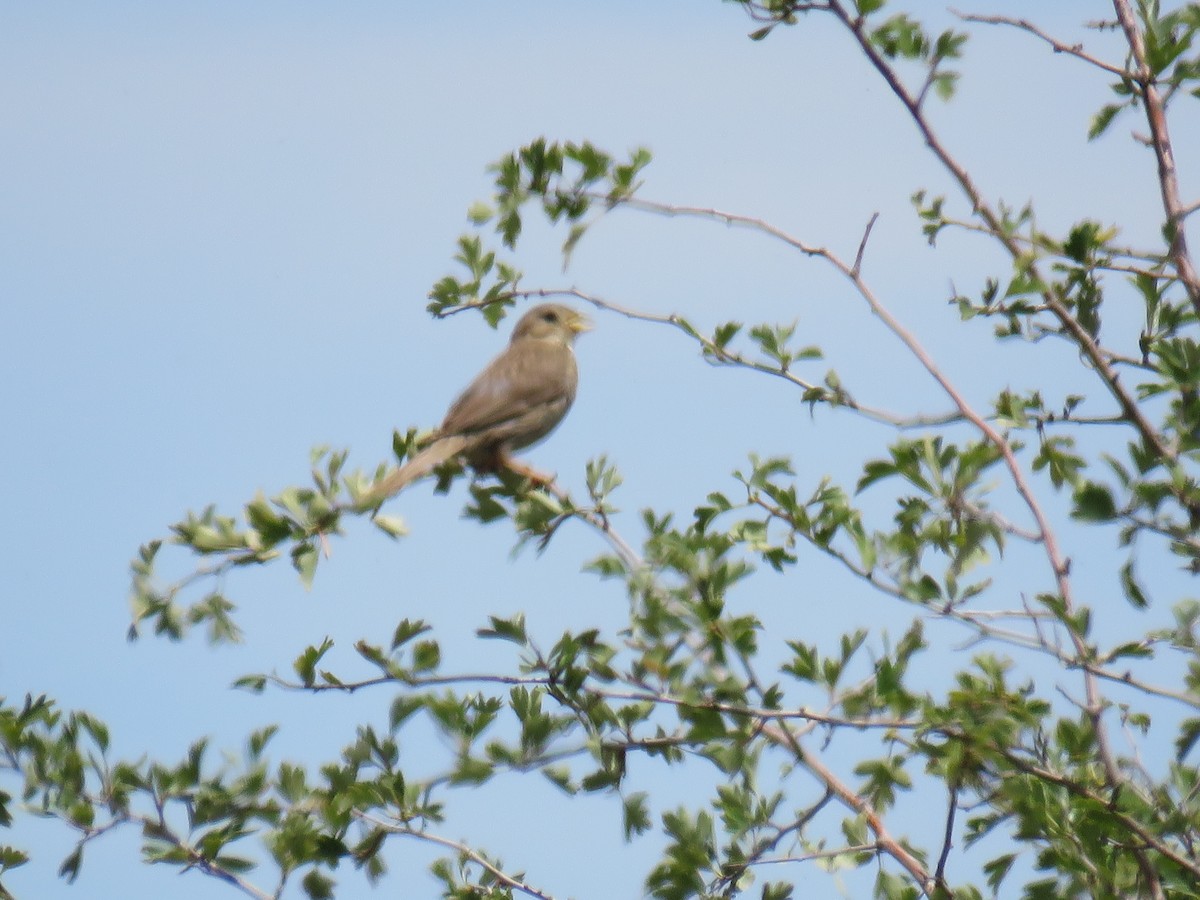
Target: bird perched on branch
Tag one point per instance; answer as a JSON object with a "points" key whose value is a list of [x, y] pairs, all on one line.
{"points": [[512, 404]]}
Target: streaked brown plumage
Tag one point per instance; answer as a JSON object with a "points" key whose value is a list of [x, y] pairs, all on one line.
{"points": [[512, 404]]}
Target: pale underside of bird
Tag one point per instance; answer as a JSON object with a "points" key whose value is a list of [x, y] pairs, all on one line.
{"points": [[512, 404]]}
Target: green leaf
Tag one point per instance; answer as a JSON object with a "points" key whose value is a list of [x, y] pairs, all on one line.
{"points": [[855, 830], [944, 84], [392, 526], [996, 869], [305, 664], [304, 559], [318, 886], [506, 629], [255, 684], [636, 814], [1189, 733], [11, 857], [606, 566], [471, 771], [1133, 591], [408, 629], [479, 212], [725, 333], [259, 739], [69, 869], [402, 709], [1102, 119], [901, 37], [1094, 503], [427, 655]]}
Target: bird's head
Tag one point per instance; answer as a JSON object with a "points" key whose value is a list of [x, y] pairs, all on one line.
{"points": [[551, 321]]}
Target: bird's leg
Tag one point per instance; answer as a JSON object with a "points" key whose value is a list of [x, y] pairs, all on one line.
{"points": [[524, 470]]}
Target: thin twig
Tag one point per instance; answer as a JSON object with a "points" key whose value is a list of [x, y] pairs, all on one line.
{"points": [[853, 800], [161, 831], [600, 521], [757, 855], [726, 356], [1075, 50], [862, 245], [818, 854], [948, 839], [635, 696], [503, 877]]}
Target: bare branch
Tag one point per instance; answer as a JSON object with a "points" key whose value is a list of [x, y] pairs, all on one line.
{"points": [[503, 877], [1075, 50], [635, 696], [728, 357], [948, 838], [833, 853], [1036, 241], [862, 245], [765, 714], [763, 13], [976, 621], [598, 519]]}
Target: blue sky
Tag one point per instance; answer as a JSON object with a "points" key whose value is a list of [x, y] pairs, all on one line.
{"points": [[218, 225]]}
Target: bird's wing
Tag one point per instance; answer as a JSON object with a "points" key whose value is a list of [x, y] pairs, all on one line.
{"points": [[527, 375]]}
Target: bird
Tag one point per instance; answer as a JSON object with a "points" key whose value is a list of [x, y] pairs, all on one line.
{"points": [[515, 402]]}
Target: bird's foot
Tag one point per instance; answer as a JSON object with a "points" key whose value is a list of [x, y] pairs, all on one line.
{"points": [[524, 470]]}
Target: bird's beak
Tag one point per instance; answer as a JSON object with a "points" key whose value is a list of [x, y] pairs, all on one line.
{"points": [[580, 323]]}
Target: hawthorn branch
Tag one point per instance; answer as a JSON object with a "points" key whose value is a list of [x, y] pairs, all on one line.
{"points": [[856, 802], [948, 838], [993, 221], [862, 245], [642, 695], [1095, 704], [1075, 50], [1148, 838], [462, 849], [1160, 140], [758, 855], [728, 357], [158, 827]]}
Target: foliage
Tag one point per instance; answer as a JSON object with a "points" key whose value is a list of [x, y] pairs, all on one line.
{"points": [[999, 748]]}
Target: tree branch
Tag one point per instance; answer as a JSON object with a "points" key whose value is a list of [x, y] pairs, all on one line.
{"points": [[1160, 140], [640, 695], [1075, 50], [503, 877], [948, 838], [854, 801], [725, 356], [992, 220], [862, 245]]}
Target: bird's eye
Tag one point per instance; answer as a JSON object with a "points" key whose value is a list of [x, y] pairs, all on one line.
{"points": [[550, 316]]}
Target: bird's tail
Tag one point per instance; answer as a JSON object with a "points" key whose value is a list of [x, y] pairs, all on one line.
{"points": [[418, 466]]}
